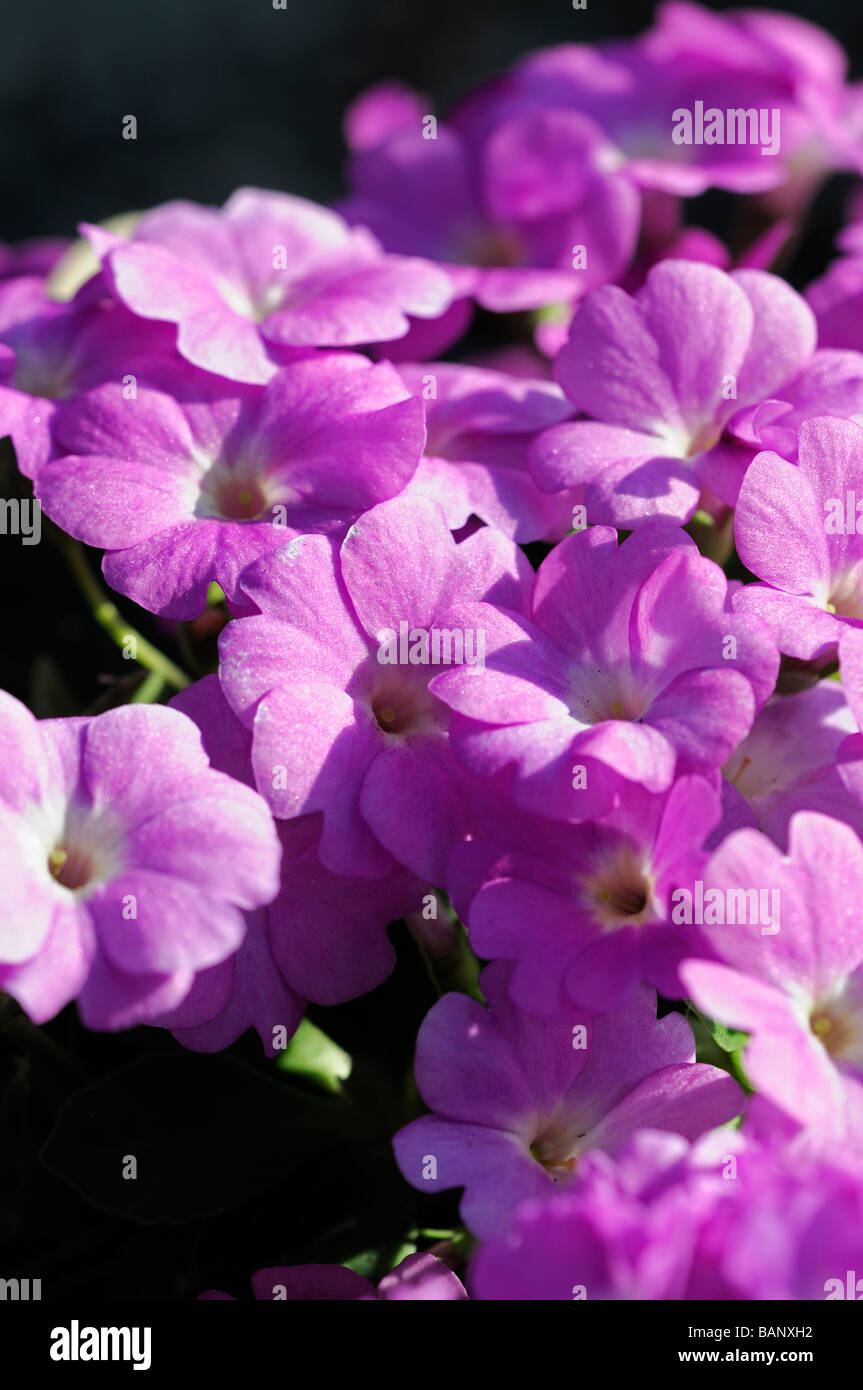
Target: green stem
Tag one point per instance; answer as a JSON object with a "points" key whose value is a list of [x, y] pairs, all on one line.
{"points": [[149, 690], [111, 619]]}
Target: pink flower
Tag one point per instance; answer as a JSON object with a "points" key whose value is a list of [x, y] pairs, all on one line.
{"points": [[332, 676], [629, 669], [417, 1278], [480, 425], [517, 1102], [796, 529], [129, 862], [668, 379], [528, 211], [266, 272], [194, 477], [795, 985]]}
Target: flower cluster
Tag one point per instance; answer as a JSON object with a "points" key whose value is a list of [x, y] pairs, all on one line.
{"points": [[568, 636]]}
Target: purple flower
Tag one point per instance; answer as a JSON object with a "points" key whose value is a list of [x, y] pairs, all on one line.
{"points": [[128, 862], [480, 424], [266, 272], [531, 212], [791, 977], [333, 677], [322, 938], [625, 1229], [837, 295], [246, 989], [36, 257], [630, 669], [669, 378], [851, 670], [50, 352], [796, 529], [328, 932], [836, 299], [696, 63], [194, 477], [417, 1278], [788, 763], [597, 897], [831, 383], [517, 1101], [790, 1228], [719, 1220], [664, 237]]}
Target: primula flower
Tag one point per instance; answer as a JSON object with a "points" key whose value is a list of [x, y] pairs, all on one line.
{"points": [[266, 272], [50, 352], [851, 671], [625, 1229], [517, 1101], [629, 669], [789, 1228], [788, 763], [322, 938], [36, 257], [634, 90], [836, 297], [195, 477], [795, 986], [720, 1219], [796, 529], [597, 897], [128, 862], [480, 423], [831, 383], [669, 378], [333, 677], [529, 213], [664, 237], [417, 1278]]}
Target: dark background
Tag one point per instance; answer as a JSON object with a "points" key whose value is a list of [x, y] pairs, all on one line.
{"points": [[232, 92], [240, 1167]]}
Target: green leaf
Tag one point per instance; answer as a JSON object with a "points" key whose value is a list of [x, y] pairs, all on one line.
{"points": [[726, 1038], [374, 1264], [312, 1054], [364, 1263]]}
